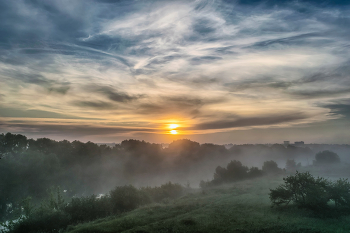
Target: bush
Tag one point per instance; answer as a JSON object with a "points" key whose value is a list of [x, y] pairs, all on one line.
{"points": [[54, 214], [255, 172], [165, 191], [51, 221], [291, 165], [312, 193], [88, 208], [340, 193], [326, 157], [271, 167], [234, 171], [126, 198]]}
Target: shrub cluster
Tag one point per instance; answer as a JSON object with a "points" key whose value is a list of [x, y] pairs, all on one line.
{"points": [[316, 194], [54, 214], [126, 198], [81, 209], [234, 171], [325, 158], [168, 190], [271, 167]]}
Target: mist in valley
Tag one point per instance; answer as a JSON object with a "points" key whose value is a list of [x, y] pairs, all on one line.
{"points": [[87, 181], [88, 168]]}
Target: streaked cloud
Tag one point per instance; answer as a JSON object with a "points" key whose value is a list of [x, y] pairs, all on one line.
{"points": [[251, 121]]}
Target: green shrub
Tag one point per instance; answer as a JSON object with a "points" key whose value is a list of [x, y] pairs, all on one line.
{"points": [[165, 191], [271, 167], [234, 171], [88, 208], [339, 192], [126, 198], [255, 172], [51, 221], [291, 165], [54, 214], [325, 158], [306, 191]]}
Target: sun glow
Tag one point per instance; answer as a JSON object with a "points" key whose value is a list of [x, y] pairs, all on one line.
{"points": [[173, 126]]}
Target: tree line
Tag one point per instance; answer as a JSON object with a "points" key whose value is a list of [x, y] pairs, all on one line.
{"points": [[28, 167]]}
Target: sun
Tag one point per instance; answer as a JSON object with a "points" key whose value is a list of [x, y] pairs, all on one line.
{"points": [[173, 126], [173, 131]]}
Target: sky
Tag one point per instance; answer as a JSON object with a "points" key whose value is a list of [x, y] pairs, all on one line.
{"points": [[212, 71]]}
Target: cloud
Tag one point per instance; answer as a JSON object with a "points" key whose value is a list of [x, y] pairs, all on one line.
{"points": [[251, 121], [94, 104], [333, 81], [190, 105], [112, 94], [294, 40], [286, 2], [34, 113], [78, 130], [50, 85], [327, 92], [204, 59], [338, 107]]}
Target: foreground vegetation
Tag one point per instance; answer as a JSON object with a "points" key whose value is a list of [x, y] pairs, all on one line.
{"points": [[54, 214], [240, 207], [324, 197]]}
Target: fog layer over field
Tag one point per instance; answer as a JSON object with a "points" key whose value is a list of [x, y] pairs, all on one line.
{"points": [[84, 168]]}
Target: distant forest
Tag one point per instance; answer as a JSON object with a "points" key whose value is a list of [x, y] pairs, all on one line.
{"points": [[30, 167]]}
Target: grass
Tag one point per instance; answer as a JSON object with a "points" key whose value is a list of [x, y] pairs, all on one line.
{"points": [[240, 207]]}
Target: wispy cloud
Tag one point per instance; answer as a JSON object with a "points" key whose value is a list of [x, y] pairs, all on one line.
{"points": [[251, 121], [94, 104], [201, 61], [338, 107], [111, 93]]}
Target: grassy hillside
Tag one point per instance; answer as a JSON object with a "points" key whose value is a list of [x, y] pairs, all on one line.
{"points": [[240, 207]]}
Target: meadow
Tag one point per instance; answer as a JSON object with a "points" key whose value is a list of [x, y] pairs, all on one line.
{"points": [[238, 207]]}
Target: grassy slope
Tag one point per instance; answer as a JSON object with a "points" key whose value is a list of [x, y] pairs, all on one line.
{"points": [[240, 207]]}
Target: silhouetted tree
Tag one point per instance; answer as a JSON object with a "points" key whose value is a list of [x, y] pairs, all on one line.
{"points": [[236, 171], [271, 167], [291, 165], [254, 172], [326, 157]]}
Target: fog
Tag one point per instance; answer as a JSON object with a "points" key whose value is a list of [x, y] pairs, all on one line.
{"points": [[87, 168]]}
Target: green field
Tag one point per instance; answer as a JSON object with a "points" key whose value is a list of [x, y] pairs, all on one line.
{"points": [[239, 207]]}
